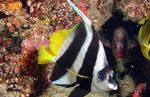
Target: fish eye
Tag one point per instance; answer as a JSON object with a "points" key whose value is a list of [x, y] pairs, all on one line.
{"points": [[101, 76]]}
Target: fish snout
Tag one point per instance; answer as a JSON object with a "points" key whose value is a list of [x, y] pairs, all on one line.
{"points": [[119, 49], [119, 43], [112, 84]]}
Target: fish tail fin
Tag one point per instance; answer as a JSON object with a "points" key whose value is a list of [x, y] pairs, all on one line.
{"points": [[44, 55], [85, 19]]}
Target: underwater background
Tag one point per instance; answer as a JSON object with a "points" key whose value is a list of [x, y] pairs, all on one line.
{"points": [[26, 24]]}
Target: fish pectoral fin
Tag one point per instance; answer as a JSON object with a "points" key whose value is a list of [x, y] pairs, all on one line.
{"points": [[76, 74], [132, 43], [78, 92]]}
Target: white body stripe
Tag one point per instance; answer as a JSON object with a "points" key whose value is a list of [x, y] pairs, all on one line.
{"points": [[99, 65], [101, 60]]}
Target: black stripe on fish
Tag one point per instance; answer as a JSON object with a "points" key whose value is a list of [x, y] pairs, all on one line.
{"points": [[67, 59], [89, 63], [78, 92]]}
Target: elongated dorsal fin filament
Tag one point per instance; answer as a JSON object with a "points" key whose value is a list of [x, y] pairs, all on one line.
{"points": [[85, 19]]}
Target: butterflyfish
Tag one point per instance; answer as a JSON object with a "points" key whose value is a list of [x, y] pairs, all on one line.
{"points": [[144, 37], [80, 59]]}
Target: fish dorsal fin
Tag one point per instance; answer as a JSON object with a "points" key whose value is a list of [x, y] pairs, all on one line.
{"points": [[56, 40], [80, 13]]}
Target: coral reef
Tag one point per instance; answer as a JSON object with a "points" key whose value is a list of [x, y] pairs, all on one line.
{"points": [[102, 11], [124, 79], [135, 9], [25, 24]]}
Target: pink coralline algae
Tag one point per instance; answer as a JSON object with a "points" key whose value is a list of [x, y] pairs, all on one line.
{"points": [[38, 8], [137, 9], [82, 6], [63, 16], [29, 51], [33, 44]]}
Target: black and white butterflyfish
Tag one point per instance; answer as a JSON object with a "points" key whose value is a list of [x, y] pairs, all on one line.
{"points": [[80, 59]]}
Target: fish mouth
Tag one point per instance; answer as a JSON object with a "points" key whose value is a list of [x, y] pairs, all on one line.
{"points": [[119, 53], [113, 86]]}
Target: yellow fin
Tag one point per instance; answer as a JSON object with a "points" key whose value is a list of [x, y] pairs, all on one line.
{"points": [[56, 40], [44, 55], [82, 76], [144, 37]]}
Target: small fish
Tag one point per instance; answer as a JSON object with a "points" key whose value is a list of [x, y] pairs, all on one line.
{"points": [[144, 37], [119, 43], [119, 34], [80, 59]]}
